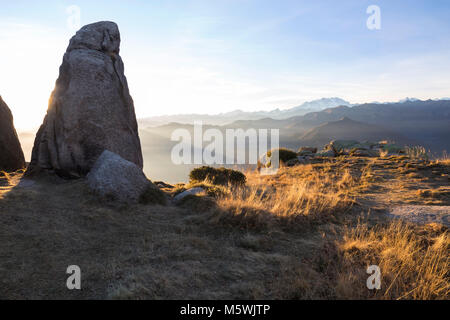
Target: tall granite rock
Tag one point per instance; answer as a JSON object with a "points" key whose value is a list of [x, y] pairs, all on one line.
{"points": [[90, 109], [11, 154]]}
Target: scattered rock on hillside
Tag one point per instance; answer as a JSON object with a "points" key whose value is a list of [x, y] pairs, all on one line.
{"points": [[361, 152], [304, 151], [306, 155], [90, 109], [326, 153], [363, 149], [184, 194], [11, 154], [341, 146], [118, 179]]}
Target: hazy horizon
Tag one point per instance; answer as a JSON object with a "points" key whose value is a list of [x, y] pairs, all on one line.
{"points": [[34, 129]]}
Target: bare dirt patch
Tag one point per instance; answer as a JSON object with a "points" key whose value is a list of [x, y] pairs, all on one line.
{"points": [[423, 214]]}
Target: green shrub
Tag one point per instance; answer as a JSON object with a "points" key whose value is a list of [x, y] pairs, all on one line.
{"points": [[393, 148], [284, 154], [218, 176]]}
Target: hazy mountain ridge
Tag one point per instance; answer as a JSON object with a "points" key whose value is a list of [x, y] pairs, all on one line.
{"points": [[425, 123], [229, 117], [348, 129]]}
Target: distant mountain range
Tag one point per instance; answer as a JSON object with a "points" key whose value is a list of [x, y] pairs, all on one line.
{"points": [[348, 129], [229, 117], [425, 122], [413, 122], [277, 114]]}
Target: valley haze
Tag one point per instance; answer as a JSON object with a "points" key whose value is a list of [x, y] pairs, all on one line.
{"points": [[407, 122]]}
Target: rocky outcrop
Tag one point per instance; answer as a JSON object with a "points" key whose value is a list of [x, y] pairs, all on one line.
{"points": [[11, 154], [336, 148], [341, 146], [360, 152], [115, 178], [326, 153], [90, 109], [306, 151]]}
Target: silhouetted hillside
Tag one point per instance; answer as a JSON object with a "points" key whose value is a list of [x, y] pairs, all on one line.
{"points": [[348, 129]]}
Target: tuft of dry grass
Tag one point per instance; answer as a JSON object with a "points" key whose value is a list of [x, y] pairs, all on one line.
{"points": [[317, 197], [417, 152], [8, 180], [5, 176], [413, 260], [444, 159], [438, 193]]}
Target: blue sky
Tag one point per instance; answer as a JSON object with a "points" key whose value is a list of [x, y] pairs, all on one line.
{"points": [[217, 56]]}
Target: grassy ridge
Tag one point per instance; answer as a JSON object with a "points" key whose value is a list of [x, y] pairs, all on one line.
{"points": [[308, 232]]}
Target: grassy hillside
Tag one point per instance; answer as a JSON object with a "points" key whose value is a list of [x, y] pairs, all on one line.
{"points": [[309, 231]]}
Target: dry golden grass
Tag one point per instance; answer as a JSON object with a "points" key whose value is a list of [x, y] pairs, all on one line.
{"points": [[290, 201], [294, 235], [5, 175], [211, 189], [442, 193], [414, 261], [444, 160], [8, 180]]}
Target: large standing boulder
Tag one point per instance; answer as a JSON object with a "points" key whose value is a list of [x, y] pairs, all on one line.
{"points": [[90, 109], [11, 154], [115, 178]]}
